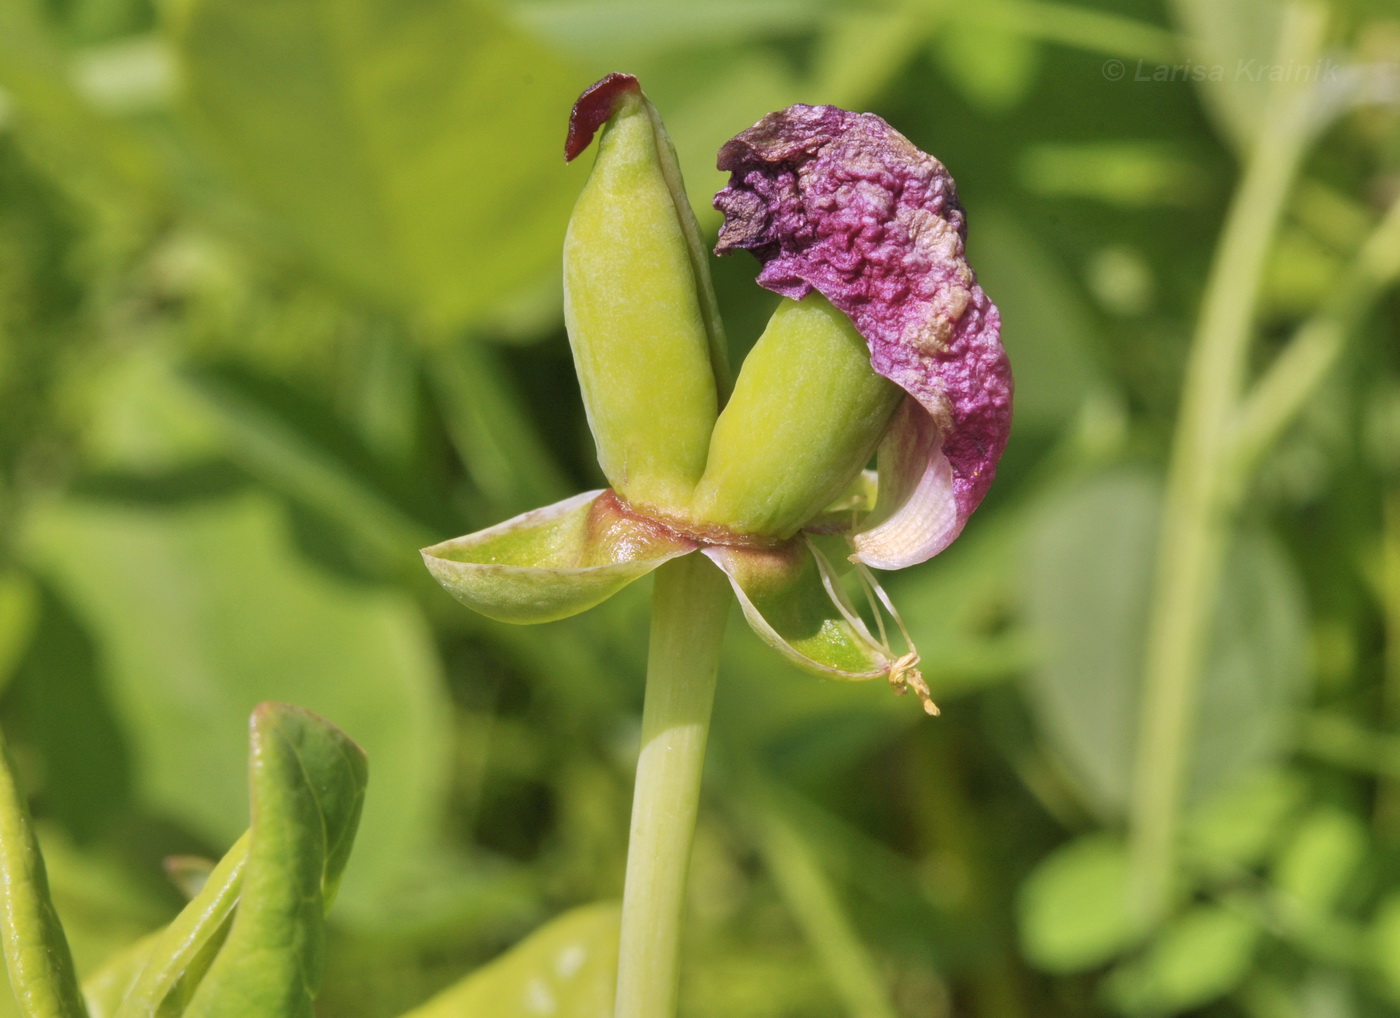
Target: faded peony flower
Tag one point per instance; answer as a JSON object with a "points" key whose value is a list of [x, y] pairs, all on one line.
{"points": [[896, 350], [843, 204]]}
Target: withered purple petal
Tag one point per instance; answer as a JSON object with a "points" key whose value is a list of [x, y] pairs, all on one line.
{"points": [[593, 108], [841, 203]]}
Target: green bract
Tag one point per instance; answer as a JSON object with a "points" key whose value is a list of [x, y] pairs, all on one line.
{"points": [[553, 562], [747, 478]]}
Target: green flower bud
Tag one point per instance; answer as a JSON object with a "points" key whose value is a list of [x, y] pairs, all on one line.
{"points": [[639, 305], [805, 418]]}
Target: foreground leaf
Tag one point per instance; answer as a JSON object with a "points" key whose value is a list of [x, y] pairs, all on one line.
{"points": [[179, 955], [40, 963], [567, 969], [202, 611], [105, 989], [308, 784]]}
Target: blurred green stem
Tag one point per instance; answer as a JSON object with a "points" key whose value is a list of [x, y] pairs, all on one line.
{"points": [[957, 858], [498, 443], [1316, 347], [1341, 741], [1078, 26], [813, 902], [1387, 808], [690, 603], [1194, 523]]}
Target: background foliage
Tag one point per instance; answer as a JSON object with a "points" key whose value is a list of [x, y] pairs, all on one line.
{"points": [[279, 304]]}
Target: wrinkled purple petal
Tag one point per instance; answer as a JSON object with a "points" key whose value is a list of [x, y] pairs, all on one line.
{"points": [[843, 204]]}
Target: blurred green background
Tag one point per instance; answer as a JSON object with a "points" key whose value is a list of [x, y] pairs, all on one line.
{"points": [[280, 304]]}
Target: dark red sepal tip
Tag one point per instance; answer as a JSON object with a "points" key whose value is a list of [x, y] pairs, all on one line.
{"points": [[593, 108]]}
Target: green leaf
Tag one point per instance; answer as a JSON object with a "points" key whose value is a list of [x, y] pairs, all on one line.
{"points": [[553, 562], [87, 792], [202, 611], [96, 159], [108, 910], [1199, 957], [1321, 859], [1087, 583], [1256, 671], [40, 963], [412, 149], [635, 28], [106, 988], [178, 956], [308, 783], [567, 969], [1075, 909], [1239, 826]]}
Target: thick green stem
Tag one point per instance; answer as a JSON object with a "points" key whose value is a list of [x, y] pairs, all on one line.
{"points": [[690, 603], [1194, 527]]}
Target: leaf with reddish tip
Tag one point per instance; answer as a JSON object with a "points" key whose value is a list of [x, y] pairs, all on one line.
{"points": [[554, 562], [843, 204]]}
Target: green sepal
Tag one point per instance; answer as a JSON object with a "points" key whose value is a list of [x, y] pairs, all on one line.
{"points": [[554, 562], [801, 614], [307, 782], [567, 969], [42, 976]]}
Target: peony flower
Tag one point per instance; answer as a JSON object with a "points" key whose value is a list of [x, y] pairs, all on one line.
{"points": [[884, 345]]}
